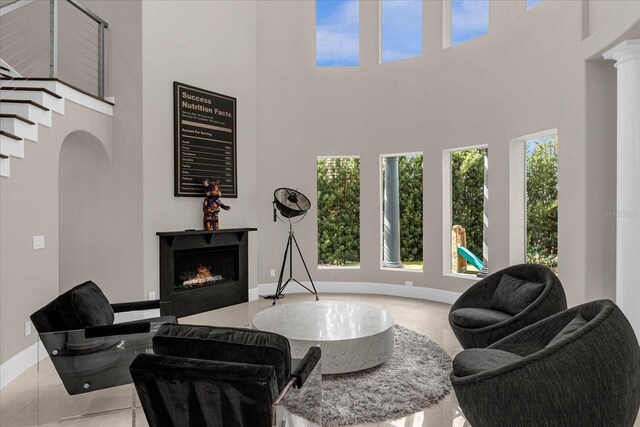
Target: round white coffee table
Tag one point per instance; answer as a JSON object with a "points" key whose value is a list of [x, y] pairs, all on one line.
{"points": [[351, 336]]}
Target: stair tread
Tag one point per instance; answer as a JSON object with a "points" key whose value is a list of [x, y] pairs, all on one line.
{"points": [[17, 117], [10, 135], [4, 77], [25, 101], [32, 89], [5, 68]]}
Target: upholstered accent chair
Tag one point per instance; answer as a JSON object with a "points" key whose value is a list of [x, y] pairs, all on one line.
{"points": [[580, 367], [504, 302], [88, 350], [220, 377]]}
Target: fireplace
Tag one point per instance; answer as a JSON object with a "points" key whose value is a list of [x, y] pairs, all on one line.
{"points": [[197, 268], [203, 270]]}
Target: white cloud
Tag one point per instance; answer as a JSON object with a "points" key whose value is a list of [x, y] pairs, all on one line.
{"points": [[470, 15], [337, 38]]}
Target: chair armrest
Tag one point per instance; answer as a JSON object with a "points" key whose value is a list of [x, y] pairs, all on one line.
{"points": [[117, 329], [306, 366], [135, 305]]}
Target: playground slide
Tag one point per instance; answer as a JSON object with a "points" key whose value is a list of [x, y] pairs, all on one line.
{"points": [[470, 257]]}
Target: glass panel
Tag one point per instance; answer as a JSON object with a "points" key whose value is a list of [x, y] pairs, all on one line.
{"points": [[307, 400], [18, 398], [467, 210], [542, 201], [401, 26], [469, 19], [337, 33], [82, 377], [338, 211], [409, 223]]}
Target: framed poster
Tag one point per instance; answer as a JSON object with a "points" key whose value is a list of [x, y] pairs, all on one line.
{"points": [[205, 140]]}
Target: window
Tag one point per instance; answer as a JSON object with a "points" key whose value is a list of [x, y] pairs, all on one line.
{"points": [[542, 201], [337, 33], [531, 3], [401, 201], [338, 211], [401, 29], [469, 19], [466, 221]]}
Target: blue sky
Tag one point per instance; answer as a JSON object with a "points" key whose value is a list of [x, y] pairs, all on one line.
{"points": [[469, 19], [337, 28], [401, 29], [533, 143], [531, 3]]}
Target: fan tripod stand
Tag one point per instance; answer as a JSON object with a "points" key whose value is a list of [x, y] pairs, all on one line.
{"points": [[289, 249]]}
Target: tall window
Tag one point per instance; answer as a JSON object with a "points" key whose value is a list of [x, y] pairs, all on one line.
{"points": [[401, 29], [542, 201], [469, 171], [337, 33], [402, 224], [531, 3], [469, 19], [338, 211]]}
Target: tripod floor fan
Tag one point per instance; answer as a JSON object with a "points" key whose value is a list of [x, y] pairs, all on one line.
{"points": [[290, 204]]}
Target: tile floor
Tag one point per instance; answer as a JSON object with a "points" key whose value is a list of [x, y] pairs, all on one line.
{"points": [[38, 398]]}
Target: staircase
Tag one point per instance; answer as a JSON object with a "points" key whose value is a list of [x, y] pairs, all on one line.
{"points": [[28, 103]]}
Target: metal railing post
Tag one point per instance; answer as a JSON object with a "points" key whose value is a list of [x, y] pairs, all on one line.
{"points": [[53, 38], [101, 60]]}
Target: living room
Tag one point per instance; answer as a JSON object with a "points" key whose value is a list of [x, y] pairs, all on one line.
{"points": [[104, 179]]}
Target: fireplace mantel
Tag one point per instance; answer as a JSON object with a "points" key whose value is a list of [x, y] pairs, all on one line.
{"points": [[208, 235], [197, 300]]}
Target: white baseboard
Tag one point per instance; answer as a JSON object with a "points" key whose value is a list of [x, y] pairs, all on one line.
{"points": [[417, 292], [18, 364]]}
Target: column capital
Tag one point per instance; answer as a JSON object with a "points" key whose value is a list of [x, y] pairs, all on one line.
{"points": [[624, 51]]}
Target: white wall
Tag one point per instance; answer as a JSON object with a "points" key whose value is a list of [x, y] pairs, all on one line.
{"points": [[528, 74], [28, 207], [211, 45]]}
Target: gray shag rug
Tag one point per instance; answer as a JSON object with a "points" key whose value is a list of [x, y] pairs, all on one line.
{"points": [[416, 377]]}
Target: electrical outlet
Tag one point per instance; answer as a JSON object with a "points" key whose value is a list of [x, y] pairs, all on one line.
{"points": [[408, 283], [273, 272], [38, 242], [27, 328], [152, 295]]}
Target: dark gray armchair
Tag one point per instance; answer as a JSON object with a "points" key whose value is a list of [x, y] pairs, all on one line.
{"points": [[580, 367], [221, 377], [88, 350], [505, 302]]}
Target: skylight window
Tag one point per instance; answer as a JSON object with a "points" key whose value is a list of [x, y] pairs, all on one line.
{"points": [[337, 33], [469, 19], [531, 3], [401, 29]]}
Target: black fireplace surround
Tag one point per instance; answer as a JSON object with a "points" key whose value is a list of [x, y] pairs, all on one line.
{"points": [[203, 270]]}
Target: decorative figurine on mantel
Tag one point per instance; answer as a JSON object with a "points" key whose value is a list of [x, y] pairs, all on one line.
{"points": [[212, 204]]}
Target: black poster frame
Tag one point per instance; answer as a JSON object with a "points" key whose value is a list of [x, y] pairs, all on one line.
{"points": [[218, 101]]}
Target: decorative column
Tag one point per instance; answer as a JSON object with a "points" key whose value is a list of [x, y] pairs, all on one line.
{"points": [[485, 218], [627, 57], [391, 235]]}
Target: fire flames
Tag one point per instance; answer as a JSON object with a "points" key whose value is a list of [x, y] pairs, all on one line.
{"points": [[202, 277]]}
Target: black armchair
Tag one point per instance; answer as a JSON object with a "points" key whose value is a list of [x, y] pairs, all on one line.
{"points": [[580, 367], [89, 351], [217, 377], [505, 302]]}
